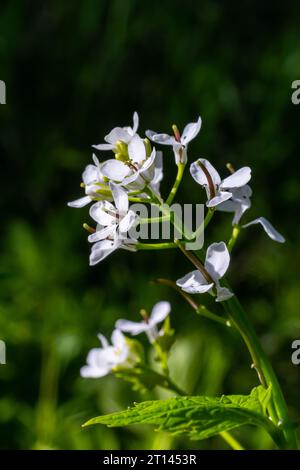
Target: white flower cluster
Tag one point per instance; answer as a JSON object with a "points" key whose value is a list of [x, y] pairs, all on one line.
{"points": [[137, 169], [102, 361]]}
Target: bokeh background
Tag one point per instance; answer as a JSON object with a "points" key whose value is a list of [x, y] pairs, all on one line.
{"points": [[73, 71]]}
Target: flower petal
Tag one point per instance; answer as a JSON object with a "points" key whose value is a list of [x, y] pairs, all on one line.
{"points": [[199, 175], [190, 131], [218, 199], [104, 213], [238, 178], [136, 149], [164, 139], [90, 174], [102, 234], [115, 170], [118, 133], [103, 146], [132, 327], [120, 197], [217, 260], [118, 339], [158, 172], [194, 283], [97, 365], [223, 294], [159, 312], [127, 222], [103, 341], [268, 228], [101, 250], [135, 123], [81, 202]]}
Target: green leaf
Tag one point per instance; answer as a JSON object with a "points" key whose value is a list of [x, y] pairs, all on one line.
{"points": [[196, 417]]}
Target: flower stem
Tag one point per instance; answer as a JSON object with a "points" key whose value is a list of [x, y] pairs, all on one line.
{"points": [[278, 409], [155, 246], [205, 223], [180, 171], [234, 236], [199, 309], [234, 444]]}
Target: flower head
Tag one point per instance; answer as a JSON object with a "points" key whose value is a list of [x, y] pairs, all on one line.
{"points": [[149, 323], [177, 141], [114, 221], [218, 190], [216, 264], [102, 361], [93, 182]]}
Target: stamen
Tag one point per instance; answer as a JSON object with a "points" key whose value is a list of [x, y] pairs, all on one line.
{"points": [[88, 228], [211, 185], [176, 132]]}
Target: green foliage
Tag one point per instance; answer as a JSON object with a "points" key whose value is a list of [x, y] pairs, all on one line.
{"points": [[195, 417]]}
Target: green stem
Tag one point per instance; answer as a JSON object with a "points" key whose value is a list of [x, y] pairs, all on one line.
{"points": [[205, 223], [234, 236], [150, 220], [143, 200], [155, 246], [199, 309], [278, 410], [180, 171], [234, 444]]}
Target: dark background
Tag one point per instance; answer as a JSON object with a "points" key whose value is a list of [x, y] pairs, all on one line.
{"points": [[74, 70]]}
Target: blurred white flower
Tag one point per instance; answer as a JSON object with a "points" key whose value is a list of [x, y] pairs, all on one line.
{"points": [[218, 190], [102, 361], [149, 324], [93, 183], [216, 264], [114, 221], [177, 141]]}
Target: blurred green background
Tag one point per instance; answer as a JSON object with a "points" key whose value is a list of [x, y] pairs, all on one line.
{"points": [[74, 70]]}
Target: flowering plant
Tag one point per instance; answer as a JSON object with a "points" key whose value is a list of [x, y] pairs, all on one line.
{"points": [[133, 177]]}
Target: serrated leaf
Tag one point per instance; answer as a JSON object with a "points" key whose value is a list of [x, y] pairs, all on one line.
{"points": [[196, 417]]}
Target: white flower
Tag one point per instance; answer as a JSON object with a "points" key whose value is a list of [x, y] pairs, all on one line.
{"points": [[102, 361], [177, 141], [216, 264], [93, 183], [149, 324], [136, 170], [119, 134], [114, 221], [218, 190]]}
